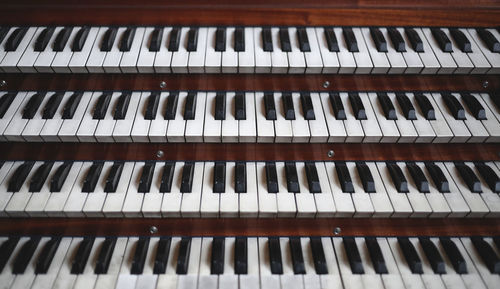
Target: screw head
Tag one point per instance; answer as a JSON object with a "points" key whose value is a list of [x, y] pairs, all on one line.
{"points": [[337, 231], [326, 84], [3, 83], [163, 84], [485, 84], [159, 154], [153, 230], [330, 153]]}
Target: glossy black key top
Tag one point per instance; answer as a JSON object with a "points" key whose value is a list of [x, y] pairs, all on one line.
{"points": [[217, 260], [105, 254], [40, 176], [285, 40], [411, 255], [152, 106], [62, 38], [461, 40], [454, 106], [127, 39], [337, 106], [187, 177], [418, 177], [24, 256], [183, 257], [241, 255], [3, 33], [80, 38], [454, 255], [162, 253], [398, 177], [190, 106], [108, 39], [269, 106], [303, 40], [307, 106], [45, 258], [425, 106], [43, 39], [141, 251], [415, 40], [146, 177], [239, 39], [33, 104], [192, 43], [71, 106], [432, 254], [240, 111], [438, 177], [442, 40], [167, 177], [467, 174], [240, 178], [220, 106], [353, 255], [387, 106], [15, 39], [220, 39], [52, 105], [113, 177], [489, 39], [396, 39], [357, 106], [366, 177], [331, 40], [19, 176], [92, 177], [292, 180], [6, 250], [487, 254], [379, 39], [275, 255], [312, 178], [82, 255], [376, 255], [286, 97], [102, 105], [122, 106], [5, 102], [271, 178], [489, 175], [175, 39], [406, 106], [219, 177], [318, 255], [476, 109], [344, 177], [298, 264], [267, 40], [350, 39], [171, 107], [156, 38]]}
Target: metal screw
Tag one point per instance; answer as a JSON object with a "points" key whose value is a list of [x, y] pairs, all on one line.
{"points": [[153, 230], [485, 84], [337, 230], [159, 154], [163, 84], [326, 84], [330, 153], [3, 83]]}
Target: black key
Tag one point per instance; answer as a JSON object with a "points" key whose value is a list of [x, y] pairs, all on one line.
{"points": [[376, 255], [127, 39], [476, 109], [312, 178], [438, 177], [461, 40], [19, 176], [24, 256], [5, 102], [418, 177], [366, 177], [239, 39], [432, 254], [442, 40], [318, 255], [269, 106], [454, 255], [397, 39], [171, 107], [92, 177], [82, 255], [307, 106], [379, 39], [167, 177], [187, 177], [350, 39], [122, 106], [415, 40], [275, 255], [152, 107], [337, 106], [190, 106], [162, 253], [80, 38], [353, 256], [108, 39], [298, 264], [146, 177], [62, 38], [411, 255], [70, 106], [219, 177], [344, 177], [104, 258], [489, 176], [469, 177], [496, 240], [489, 39], [52, 104], [387, 106], [45, 258], [156, 38], [331, 40], [217, 261], [220, 106], [267, 40], [425, 106], [288, 106], [33, 104], [192, 39], [174, 41], [15, 39], [398, 177], [3, 32], [454, 106], [292, 180], [241, 255], [406, 106], [60, 176], [357, 106], [240, 106], [141, 251], [43, 39], [114, 177], [102, 105], [40, 176], [285, 40], [240, 178], [271, 178], [487, 254], [183, 258], [220, 39], [6, 250], [303, 40]]}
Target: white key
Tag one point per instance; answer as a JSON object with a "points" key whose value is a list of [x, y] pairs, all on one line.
{"points": [[393, 279], [114, 200], [197, 59], [325, 205], [370, 279], [190, 280], [113, 57], [95, 200], [390, 132], [431, 63], [396, 59], [169, 279], [180, 57], [265, 128], [209, 207], [329, 58], [464, 64], [491, 123], [31, 131], [2, 43], [12, 58], [490, 198], [492, 57], [474, 260], [285, 199], [147, 280], [12, 111], [194, 128], [481, 64], [27, 61], [62, 59], [69, 127], [380, 199], [205, 279], [410, 280], [229, 279], [6, 172], [448, 65], [123, 127], [451, 279], [151, 204], [78, 61], [423, 127], [279, 60], [296, 60], [348, 62], [140, 128], [400, 203], [45, 58], [176, 127], [87, 279], [437, 201], [213, 61], [267, 279], [443, 132], [88, 125], [372, 130], [19, 200], [288, 279], [343, 201], [38, 200], [249, 201], [51, 126], [212, 130], [128, 62], [251, 280], [158, 128], [229, 128], [314, 62], [431, 280], [64, 277], [363, 61], [380, 62], [171, 203], [332, 280], [405, 126], [163, 57], [300, 126], [282, 126], [76, 198], [57, 200], [247, 58], [248, 127], [229, 199], [104, 129], [418, 201], [361, 199], [353, 127], [190, 206], [125, 280], [146, 58], [25, 280], [95, 59], [458, 127], [336, 129], [17, 124], [230, 57], [475, 126], [413, 59], [46, 281], [262, 58], [267, 201], [109, 280], [349, 279], [306, 206]]}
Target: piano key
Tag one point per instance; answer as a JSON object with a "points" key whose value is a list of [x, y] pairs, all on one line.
{"points": [[418, 177], [296, 58], [266, 199], [113, 177], [131, 203], [131, 45], [464, 64], [455, 115], [487, 254], [304, 199], [16, 204], [461, 40], [95, 200], [15, 46], [360, 198], [378, 38], [162, 255], [440, 126], [400, 202], [474, 106], [82, 255], [489, 39], [127, 39], [318, 255], [25, 255], [217, 260], [19, 176], [15, 38], [387, 126], [95, 56], [220, 39], [378, 57], [279, 58], [307, 106], [410, 255], [152, 201], [210, 199], [353, 256], [247, 58], [198, 39], [447, 63], [396, 52], [343, 202], [180, 54], [239, 39], [329, 48], [344, 177], [163, 57], [366, 177], [454, 106], [7, 247], [194, 128], [292, 181], [190, 206], [206, 279], [442, 39], [489, 176], [140, 256], [40, 176], [149, 48], [230, 55], [26, 62], [376, 255], [472, 257], [454, 255], [433, 255], [336, 126], [361, 54], [263, 47], [489, 197], [105, 254], [467, 174], [117, 190], [47, 255], [175, 39], [349, 279], [267, 278], [248, 202], [171, 202], [241, 255]]}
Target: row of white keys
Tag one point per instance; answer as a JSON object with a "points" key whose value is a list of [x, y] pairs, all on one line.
{"points": [[11, 58], [12, 112], [492, 57]]}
